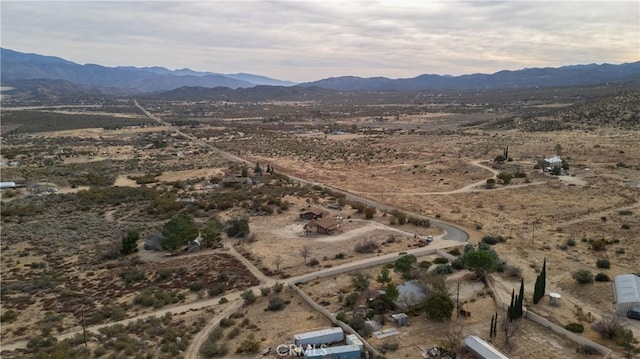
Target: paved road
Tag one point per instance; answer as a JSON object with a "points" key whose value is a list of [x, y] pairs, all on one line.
{"points": [[451, 232]]}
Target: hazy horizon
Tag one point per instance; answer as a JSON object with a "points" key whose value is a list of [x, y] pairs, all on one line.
{"points": [[310, 40]]}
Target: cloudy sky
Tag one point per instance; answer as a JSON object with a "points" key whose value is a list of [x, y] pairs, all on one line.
{"points": [[307, 40]]}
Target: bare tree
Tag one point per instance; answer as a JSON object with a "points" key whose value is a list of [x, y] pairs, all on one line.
{"points": [[277, 261], [453, 337], [510, 328], [305, 252]]}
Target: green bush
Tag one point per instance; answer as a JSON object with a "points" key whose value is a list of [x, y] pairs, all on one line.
{"points": [[351, 299], [265, 291], [217, 290], [455, 252], [249, 345], [440, 260], [443, 269], [583, 276], [248, 296], [424, 264], [603, 263], [574, 327], [132, 275], [275, 304], [277, 288], [9, 316], [341, 317], [491, 240], [227, 322], [601, 277], [457, 264]]}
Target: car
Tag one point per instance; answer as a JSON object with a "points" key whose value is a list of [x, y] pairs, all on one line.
{"points": [[429, 239], [634, 313]]}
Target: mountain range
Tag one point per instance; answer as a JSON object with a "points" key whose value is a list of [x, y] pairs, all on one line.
{"points": [[16, 67], [22, 66]]}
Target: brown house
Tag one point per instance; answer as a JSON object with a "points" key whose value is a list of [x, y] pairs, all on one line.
{"points": [[326, 225], [313, 213]]}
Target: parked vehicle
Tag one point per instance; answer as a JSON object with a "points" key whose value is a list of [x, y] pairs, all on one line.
{"points": [[634, 313]]}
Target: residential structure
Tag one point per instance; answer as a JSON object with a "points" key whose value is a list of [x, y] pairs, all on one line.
{"points": [[313, 213], [326, 225]]}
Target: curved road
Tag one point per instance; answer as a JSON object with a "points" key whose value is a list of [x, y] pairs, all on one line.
{"points": [[451, 232]]}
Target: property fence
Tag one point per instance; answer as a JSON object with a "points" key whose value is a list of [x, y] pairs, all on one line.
{"points": [[372, 351], [554, 327]]}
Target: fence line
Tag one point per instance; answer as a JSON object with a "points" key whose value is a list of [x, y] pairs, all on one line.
{"points": [[552, 326], [374, 353]]}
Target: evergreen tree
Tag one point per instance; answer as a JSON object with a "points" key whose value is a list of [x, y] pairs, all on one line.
{"points": [[512, 305], [543, 275], [257, 169], [520, 303], [491, 328], [128, 244]]}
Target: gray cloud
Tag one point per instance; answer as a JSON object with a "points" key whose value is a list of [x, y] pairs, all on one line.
{"points": [[308, 40]]}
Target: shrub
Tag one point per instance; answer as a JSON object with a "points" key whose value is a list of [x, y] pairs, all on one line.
{"points": [[277, 288], [217, 290], [233, 333], [574, 327], [265, 291], [424, 264], [248, 296], [249, 345], [132, 275], [341, 317], [440, 260], [366, 246], [457, 264], [8, 316], [275, 304], [227, 322], [455, 252], [313, 262], [491, 240], [603, 263], [571, 242], [601, 277], [608, 326], [443, 269], [513, 271], [223, 300], [599, 245], [587, 350], [196, 286], [625, 226], [339, 256], [625, 212], [351, 299], [583, 276]]}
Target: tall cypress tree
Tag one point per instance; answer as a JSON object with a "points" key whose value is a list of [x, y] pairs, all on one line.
{"points": [[520, 303], [511, 307], [543, 275]]}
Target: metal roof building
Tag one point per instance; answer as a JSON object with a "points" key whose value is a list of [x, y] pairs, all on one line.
{"points": [[482, 349], [626, 288]]}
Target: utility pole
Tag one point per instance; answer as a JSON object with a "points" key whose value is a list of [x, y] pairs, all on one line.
{"points": [[458, 301], [84, 329]]}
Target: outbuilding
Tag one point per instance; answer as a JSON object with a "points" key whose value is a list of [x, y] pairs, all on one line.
{"points": [[626, 288], [482, 349]]}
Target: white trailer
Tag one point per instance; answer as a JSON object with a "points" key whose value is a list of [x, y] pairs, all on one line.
{"points": [[318, 337]]}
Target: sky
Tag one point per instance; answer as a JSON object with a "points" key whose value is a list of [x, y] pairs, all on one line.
{"points": [[307, 40]]}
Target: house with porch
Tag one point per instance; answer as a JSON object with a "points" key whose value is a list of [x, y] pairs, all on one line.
{"points": [[325, 225], [313, 213]]}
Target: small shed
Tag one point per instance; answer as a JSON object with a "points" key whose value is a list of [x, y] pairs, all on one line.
{"points": [[626, 288], [400, 319], [482, 349]]}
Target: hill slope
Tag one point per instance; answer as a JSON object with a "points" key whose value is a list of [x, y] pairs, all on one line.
{"points": [[578, 75]]}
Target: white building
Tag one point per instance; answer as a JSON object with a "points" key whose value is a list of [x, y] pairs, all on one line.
{"points": [[626, 288]]}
